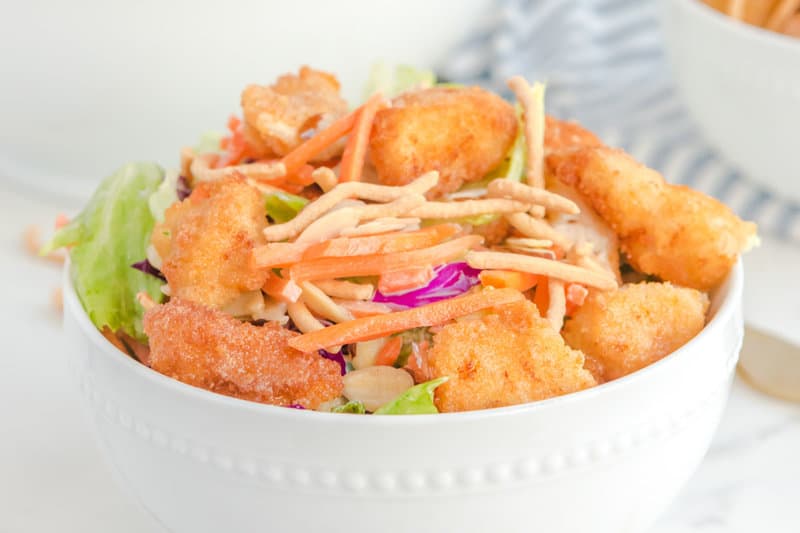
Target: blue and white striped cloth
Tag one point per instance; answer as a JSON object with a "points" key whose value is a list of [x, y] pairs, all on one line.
{"points": [[604, 65]]}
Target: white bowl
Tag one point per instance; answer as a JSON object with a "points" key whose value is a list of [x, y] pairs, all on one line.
{"points": [[742, 86], [608, 459]]}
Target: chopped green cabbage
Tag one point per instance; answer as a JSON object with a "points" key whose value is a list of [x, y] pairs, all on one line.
{"points": [[391, 81], [164, 196], [283, 207], [513, 166], [107, 237], [351, 407], [208, 143], [418, 400]]}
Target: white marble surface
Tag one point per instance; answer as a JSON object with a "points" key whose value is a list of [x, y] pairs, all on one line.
{"points": [[53, 479]]}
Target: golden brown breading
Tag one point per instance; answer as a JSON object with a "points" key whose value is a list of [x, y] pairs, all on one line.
{"points": [[674, 232], [276, 116], [461, 132], [210, 349], [638, 324], [565, 134], [205, 242], [507, 358]]}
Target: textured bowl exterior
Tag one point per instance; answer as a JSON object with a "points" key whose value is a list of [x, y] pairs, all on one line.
{"points": [[608, 459], [742, 87]]}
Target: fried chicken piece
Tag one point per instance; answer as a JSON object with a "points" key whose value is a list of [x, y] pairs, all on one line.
{"points": [[461, 132], [565, 134], [671, 231], [205, 242], [635, 325], [207, 348], [507, 358], [276, 116]]}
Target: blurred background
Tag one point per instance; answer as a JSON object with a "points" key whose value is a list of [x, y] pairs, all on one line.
{"points": [[709, 96]]}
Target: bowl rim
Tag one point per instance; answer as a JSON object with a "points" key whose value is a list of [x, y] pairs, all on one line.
{"points": [[728, 23], [731, 299]]}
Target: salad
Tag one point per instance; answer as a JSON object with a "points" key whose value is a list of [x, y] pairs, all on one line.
{"points": [[435, 249]]}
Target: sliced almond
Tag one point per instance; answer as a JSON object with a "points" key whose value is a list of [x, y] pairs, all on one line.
{"points": [[375, 386]]}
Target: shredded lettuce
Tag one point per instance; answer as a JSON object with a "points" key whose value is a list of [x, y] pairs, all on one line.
{"points": [[513, 166], [107, 237], [475, 220], [208, 143], [164, 196], [391, 81], [351, 407], [418, 400], [283, 207]]}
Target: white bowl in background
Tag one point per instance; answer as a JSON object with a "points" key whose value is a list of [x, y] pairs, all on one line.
{"points": [[742, 86], [604, 460]]}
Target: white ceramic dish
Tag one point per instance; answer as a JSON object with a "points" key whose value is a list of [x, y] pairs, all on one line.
{"points": [[742, 86], [605, 460]]}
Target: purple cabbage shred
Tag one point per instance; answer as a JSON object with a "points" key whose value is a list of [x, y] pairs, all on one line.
{"points": [[337, 357], [294, 406], [449, 281], [182, 188], [146, 267]]}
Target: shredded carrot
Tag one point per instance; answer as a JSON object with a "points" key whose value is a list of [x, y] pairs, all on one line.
{"points": [[303, 176], [389, 352], [282, 289], [373, 327], [376, 264], [61, 220], [397, 281], [235, 145], [278, 254], [303, 153], [500, 279], [541, 296], [576, 296], [382, 243], [356, 149]]}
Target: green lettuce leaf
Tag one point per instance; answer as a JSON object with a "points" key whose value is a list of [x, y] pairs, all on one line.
{"points": [[351, 407], [107, 237], [208, 143], [283, 207], [391, 81], [418, 400], [513, 166], [164, 196]]}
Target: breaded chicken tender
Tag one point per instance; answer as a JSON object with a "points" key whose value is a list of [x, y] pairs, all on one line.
{"points": [[461, 132], [210, 349], [676, 233], [565, 134], [277, 115], [507, 358], [636, 325], [205, 242]]}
